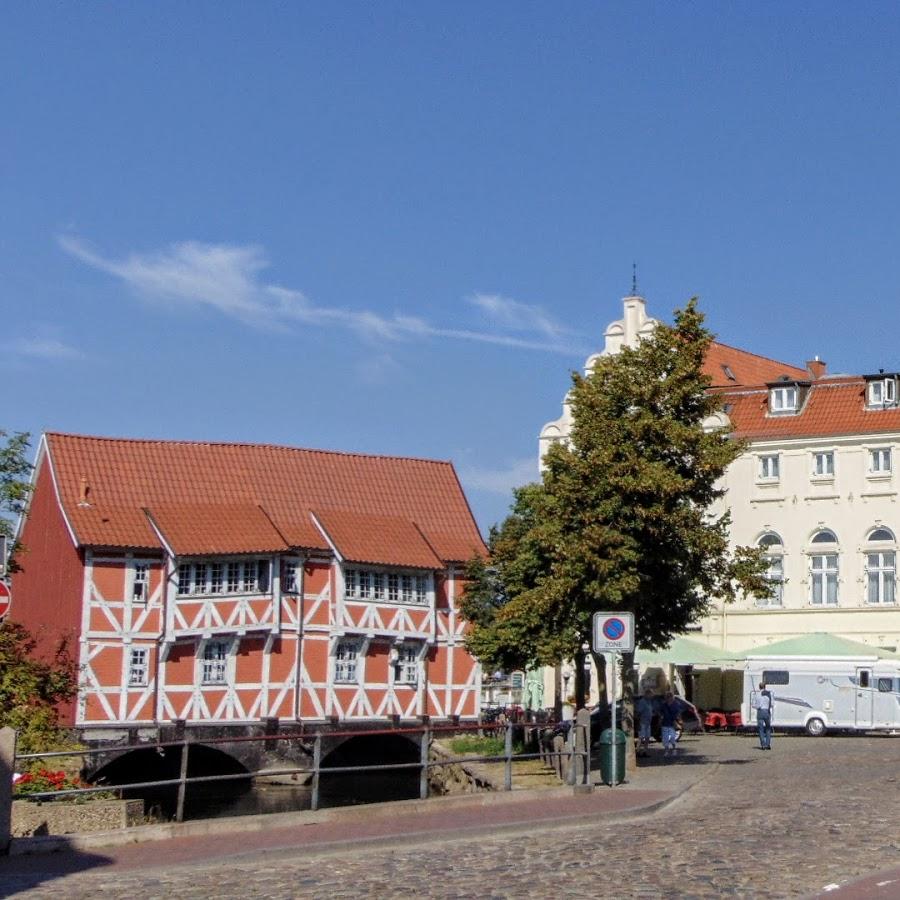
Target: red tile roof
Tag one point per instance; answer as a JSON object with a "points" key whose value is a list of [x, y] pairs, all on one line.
{"points": [[833, 406], [389, 540], [747, 368], [195, 491]]}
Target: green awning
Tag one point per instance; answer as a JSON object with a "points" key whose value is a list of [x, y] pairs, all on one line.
{"points": [[685, 652], [818, 644]]}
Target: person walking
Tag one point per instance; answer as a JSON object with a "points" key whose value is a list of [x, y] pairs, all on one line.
{"points": [[669, 714], [764, 704], [644, 710]]}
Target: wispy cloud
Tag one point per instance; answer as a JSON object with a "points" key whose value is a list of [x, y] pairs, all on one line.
{"points": [[228, 278], [501, 481], [46, 348]]}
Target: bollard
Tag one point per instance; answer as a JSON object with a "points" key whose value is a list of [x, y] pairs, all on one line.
{"points": [[559, 743], [7, 760]]}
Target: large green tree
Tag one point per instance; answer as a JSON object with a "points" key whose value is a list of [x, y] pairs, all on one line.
{"points": [[15, 482], [626, 515]]}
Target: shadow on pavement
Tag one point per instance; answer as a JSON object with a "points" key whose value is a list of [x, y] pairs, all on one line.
{"points": [[21, 873]]}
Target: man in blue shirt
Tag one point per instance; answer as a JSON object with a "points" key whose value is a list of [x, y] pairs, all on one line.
{"points": [[668, 715], [764, 705]]}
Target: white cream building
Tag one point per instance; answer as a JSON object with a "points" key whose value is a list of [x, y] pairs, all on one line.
{"points": [[817, 488]]}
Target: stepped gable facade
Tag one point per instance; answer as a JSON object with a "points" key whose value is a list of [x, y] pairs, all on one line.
{"points": [[227, 583]]}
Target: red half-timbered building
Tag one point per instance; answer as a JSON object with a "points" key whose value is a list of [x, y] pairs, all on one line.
{"points": [[227, 583]]}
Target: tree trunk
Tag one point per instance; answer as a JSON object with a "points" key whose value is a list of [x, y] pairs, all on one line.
{"points": [[628, 690], [580, 685], [602, 690]]}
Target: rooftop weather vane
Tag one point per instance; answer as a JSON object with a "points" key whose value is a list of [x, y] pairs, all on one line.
{"points": [[634, 292]]}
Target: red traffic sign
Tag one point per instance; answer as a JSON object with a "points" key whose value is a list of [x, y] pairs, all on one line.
{"points": [[5, 598]]}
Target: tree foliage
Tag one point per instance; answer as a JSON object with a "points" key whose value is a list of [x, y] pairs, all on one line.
{"points": [[29, 690], [15, 484], [625, 517]]}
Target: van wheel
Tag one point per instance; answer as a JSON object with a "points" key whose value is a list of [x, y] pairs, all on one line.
{"points": [[815, 727]]}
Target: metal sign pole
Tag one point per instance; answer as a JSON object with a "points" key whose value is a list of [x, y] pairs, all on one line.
{"points": [[612, 701]]}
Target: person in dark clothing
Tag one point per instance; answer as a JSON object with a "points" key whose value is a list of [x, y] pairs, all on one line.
{"points": [[671, 710]]}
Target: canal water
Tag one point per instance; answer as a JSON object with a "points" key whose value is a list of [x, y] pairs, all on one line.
{"points": [[209, 801]]}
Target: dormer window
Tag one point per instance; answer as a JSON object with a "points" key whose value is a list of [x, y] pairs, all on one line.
{"points": [[783, 399], [882, 392]]}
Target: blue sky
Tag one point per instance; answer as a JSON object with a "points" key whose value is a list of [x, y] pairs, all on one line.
{"points": [[396, 227]]}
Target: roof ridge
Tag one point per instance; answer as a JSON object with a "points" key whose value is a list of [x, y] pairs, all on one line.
{"points": [[261, 446], [780, 362]]}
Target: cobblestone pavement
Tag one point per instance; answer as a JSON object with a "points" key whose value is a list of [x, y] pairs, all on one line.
{"points": [[811, 812]]}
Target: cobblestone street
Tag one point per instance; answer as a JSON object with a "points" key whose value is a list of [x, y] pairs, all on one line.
{"points": [[786, 823]]}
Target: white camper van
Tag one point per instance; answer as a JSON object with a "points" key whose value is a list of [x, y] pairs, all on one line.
{"points": [[819, 693]]}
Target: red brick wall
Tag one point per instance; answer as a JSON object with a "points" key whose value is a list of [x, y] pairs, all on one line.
{"points": [[46, 594]]}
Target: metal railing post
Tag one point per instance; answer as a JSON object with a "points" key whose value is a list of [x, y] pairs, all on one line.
{"points": [[182, 783], [423, 759], [317, 764], [507, 774]]}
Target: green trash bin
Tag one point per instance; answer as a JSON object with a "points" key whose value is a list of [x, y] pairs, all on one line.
{"points": [[606, 763]]}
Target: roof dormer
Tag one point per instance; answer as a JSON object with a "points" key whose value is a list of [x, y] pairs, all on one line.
{"points": [[881, 390], [786, 396]]}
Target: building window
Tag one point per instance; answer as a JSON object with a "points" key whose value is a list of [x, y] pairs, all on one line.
{"points": [[880, 568], [880, 461], [140, 584], [774, 549], [137, 667], [783, 399], [406, 667], [823, 571], [290, 583], [215, 661], [394, 587], [882, 392], [345, 656], [245, 576], [768, 467], [823, 463]]}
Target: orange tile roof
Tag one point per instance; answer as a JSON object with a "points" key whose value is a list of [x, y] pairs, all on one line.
{"points": [[833, 406], [194, 529], [747, 368], [364, 538], [125, 476]]}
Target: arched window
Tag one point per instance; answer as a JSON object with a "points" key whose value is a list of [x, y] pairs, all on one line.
{"points": [[823, 569], [773, 546], [881, 566]]}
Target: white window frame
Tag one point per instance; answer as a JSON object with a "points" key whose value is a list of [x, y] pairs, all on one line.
{"points": [[215, 668], [881, 462], [824, 572], [823, 464], [290, 576], [407, 587], [784, 399], [882, 392], [881, 574], [139, 577], [138, 666], [250, 576], [769, 467], [348, 654], [406, 664]]}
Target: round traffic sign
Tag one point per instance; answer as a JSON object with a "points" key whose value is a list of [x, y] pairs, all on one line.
{"points": [[5, 598], [613, 629]]}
